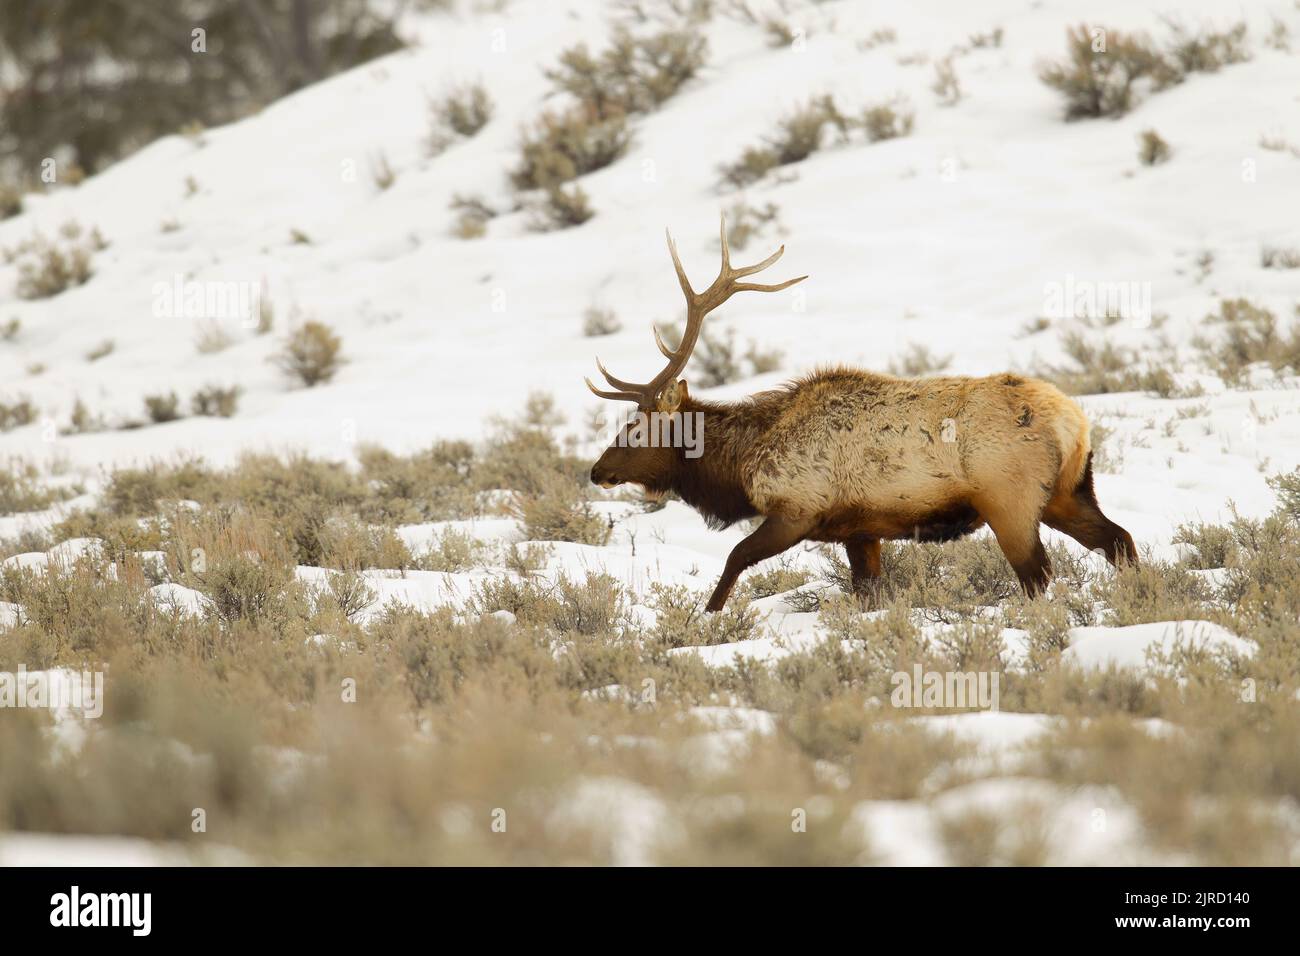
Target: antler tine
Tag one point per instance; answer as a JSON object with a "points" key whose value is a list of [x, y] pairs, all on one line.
{"points": [[617, 382], [758, 287], [616, 396], [726, 249], [664, 349], [681, 273], [757, 267]]}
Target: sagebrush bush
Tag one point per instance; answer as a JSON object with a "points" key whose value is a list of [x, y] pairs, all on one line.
{"points": [[598, 321], [777, 580], [779, 32], [47, 267], [1287, 489], [162, 408], [11, 202], [453, 551], [680, 620], [82, 421], [311, 353], [239, 563], [990, 39], [888, 120], [1102, 70], [803, 132], [472, 216], [213, 337], [754, 163], [458, 114], [715, 359], [17, 413], [1279, 257], [560, 510], [563, 208], [1206, 51], [798, 135], [464, 110], [746, 222], [382, 173], [635, 74], [1106, 367], [1212, 546], [563, 146], [761, 361], [216, 400], [434, 484], [1154, 591], [1246, 334], [918, 360], [946, 85], [22, 490], [1152, 149]]}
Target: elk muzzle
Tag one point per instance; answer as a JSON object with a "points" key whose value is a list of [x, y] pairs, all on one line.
{"points": [[601, 475]]}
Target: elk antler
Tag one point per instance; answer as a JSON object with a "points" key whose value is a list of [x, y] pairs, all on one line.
{"points": [[698, 305]]}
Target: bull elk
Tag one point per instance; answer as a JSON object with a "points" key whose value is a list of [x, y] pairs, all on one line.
{"points": [[850, 456]]}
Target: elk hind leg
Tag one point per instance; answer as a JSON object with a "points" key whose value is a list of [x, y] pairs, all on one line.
{"points": [[1015, 525], [773, 536], [1077, 514]]}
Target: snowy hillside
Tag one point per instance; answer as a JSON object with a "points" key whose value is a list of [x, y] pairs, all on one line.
{"points": [[946, 237], [955, 237]]}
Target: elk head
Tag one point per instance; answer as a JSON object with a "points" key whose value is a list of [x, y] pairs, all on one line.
{"points": [[640, 454]]}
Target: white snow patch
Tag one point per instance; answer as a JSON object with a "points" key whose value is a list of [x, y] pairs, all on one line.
{"points": [[624, 817], [1100, 647], [1089, 826], [179, 599]]}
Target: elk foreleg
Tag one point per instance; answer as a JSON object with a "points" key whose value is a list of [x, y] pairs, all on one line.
{"points": [[864, 561], [773, 536]]}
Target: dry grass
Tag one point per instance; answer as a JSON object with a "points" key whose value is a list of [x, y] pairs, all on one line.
{"points": [[314, 726], [1242, 335], [919, 360], [1101, 366], [47, 267]]}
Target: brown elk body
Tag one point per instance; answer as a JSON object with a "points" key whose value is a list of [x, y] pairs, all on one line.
{"points": [[854, 457]]}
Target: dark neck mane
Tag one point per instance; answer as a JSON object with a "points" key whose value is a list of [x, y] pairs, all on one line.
{"points": [[714, 483]]}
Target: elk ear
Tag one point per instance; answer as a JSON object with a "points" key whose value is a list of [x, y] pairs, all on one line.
{"points": [[671, 398]]}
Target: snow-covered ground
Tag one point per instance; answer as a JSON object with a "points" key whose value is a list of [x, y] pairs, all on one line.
{"points": [[951, 237]]}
